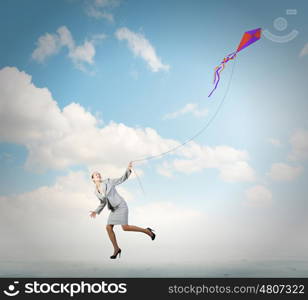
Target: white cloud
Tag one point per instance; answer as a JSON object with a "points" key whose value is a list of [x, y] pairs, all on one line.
{"points": [[100, 9], [58, 139], [188, 108], [231, 163], [284, 172], [304, 51], [237, 171], [51, 44], [47, 45], [84, 53], [66, 38], [107, 3], [165, 169], [258, 196], [94, 12], [299, 143], [140, 46], [275, 142]]}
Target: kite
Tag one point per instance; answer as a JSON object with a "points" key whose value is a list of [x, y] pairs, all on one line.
{"points": [[249, 37]]}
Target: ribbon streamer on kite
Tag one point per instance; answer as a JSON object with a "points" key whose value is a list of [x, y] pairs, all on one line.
{"points": [[249, 37]]}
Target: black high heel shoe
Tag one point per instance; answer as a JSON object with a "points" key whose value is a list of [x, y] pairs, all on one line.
{"points": [[115, 255], [154, 235]]}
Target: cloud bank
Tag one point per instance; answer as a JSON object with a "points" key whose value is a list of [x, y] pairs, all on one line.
{"points": [[60, 138]]}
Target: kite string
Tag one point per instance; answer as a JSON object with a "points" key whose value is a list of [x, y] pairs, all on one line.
{"points": [[201, 130], [139, 181], [194, 136]]}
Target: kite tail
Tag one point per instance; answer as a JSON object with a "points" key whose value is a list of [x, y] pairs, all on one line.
{"points": [[220, 68], [217, 76]]}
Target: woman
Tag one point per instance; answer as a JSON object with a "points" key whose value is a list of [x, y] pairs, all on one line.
{"points": [[107, 194]]}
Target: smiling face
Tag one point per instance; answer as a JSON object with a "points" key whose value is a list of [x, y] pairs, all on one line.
{"points": [[96, 177]]}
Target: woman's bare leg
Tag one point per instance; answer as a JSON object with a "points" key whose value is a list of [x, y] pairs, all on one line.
{"points": [[112, 237], [136, 228]]}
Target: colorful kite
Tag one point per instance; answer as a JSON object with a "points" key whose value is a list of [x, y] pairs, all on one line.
{"points": [[248, 38]]}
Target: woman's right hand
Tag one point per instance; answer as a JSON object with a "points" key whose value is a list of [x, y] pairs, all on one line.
{"points": [[93, 214]]}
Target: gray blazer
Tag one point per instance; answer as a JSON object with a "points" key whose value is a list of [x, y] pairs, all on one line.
{"points": [[109, 192]]}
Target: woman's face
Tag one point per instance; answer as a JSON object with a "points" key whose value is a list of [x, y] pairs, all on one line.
{"points": [[96, 177]]}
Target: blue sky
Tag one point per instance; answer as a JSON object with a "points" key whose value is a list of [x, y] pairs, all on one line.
{"points": [[93, 84]]}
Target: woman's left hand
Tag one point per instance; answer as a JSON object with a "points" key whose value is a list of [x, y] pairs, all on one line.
{"points": [[130, 165], [93, 214]]}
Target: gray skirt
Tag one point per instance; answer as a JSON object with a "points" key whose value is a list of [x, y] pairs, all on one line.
{"points": [[120, 215]]}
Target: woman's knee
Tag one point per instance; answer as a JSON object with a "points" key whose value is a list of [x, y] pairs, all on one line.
{"points": [[109, 227], [125, 227]]}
